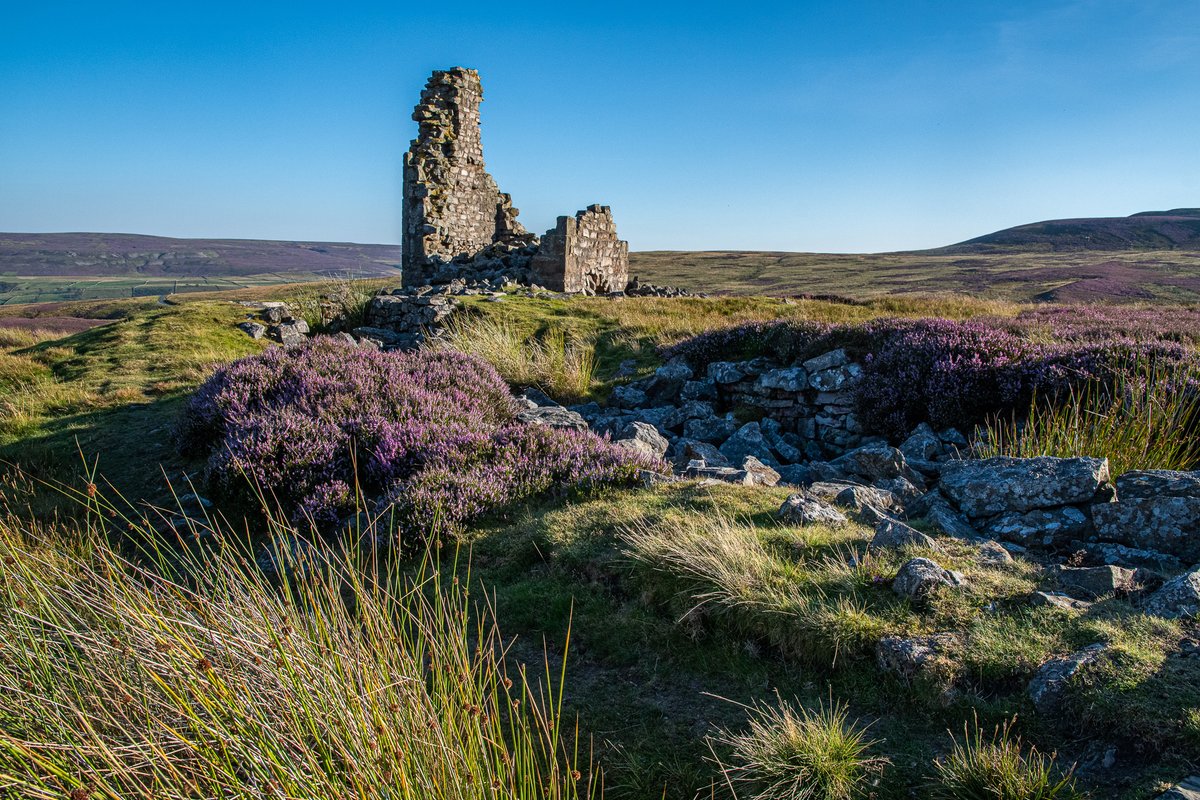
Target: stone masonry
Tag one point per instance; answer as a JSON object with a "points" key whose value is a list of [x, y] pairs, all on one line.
{"points": [[583, 254], [459, 225], [453, 208]]}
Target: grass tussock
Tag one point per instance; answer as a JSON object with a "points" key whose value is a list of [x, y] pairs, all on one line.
{"points": [[121, 682], [999, 768], [1148, 419], [793, 753], [560, 364]]}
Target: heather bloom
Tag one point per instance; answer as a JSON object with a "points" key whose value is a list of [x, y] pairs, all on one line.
{"points": [[431, 434], [960, 373]]}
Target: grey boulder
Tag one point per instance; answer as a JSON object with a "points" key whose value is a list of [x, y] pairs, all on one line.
{"points": [[802, 509], [920, 577], [983, 488], [1155, 510], [1178, 597]]}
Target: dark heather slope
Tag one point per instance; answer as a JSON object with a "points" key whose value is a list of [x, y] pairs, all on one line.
{"points": [[1177, 229], [133, 255]]}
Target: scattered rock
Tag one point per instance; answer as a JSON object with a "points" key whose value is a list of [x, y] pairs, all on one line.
{"points": [[1188, 789], [1049, 528], [253, 329], [554, 417], [642, 438], [922, 445], [758, 473], [1049, 685], [834, 358], [1096, 582], [993, 555], [1155, 510], [1058, 600], [1178, 597], [873, 461], [909, 657], [892, 534], [920, 577], [747, 441], [803, 509]]}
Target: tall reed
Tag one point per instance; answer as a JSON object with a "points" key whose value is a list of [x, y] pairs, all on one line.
{"points": [[1147, 418], [119, 681]]}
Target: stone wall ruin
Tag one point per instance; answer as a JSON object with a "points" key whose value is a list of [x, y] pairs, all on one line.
{"points": [[458, 224], [583, 254], [453, 208]]}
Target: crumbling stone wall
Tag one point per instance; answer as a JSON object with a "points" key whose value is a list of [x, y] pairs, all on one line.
{"points": [[453, 208], [583, 254]]}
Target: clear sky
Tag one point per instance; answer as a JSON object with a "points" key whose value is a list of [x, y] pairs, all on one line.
{"points": [[843, 126]]}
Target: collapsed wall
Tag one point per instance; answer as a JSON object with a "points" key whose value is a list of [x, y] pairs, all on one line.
{"points": [[453, 208], [583, 254]]}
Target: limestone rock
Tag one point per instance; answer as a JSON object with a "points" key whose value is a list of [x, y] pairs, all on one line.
{"points": [[1049, 528], [253, 329], [1095, 582], [892, 534], [790, 379], [1178, 597], [1049, 685], [554, 417], [692, 450], [758, 473], [1155, 510], [643, 438], [922, 445], [873, 461], [725, 372], [803, 509], [909, 657], [1188, 789], [834, 358], [1002, 484], [748, 441], [993, 555], [714, 430], [1058, 600], [666, 384], [920, 577], [628, 397]]}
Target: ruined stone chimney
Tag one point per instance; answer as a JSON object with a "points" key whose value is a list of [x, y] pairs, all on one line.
{"points": [[452, 206]]}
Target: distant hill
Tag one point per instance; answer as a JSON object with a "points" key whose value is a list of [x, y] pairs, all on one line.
{"points": [[1177, 229], [136, 256]]}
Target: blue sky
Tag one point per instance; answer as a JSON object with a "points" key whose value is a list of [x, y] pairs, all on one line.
{"points": [[832, 126]]}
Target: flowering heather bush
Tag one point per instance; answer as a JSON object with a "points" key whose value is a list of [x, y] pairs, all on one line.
{"points": [[944, 372], [959, 373], [433, 431], [1096, 323], [785, 340]]}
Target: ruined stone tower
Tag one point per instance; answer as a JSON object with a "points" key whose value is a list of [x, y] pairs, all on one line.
{"points": [[452, 206], [458, 224]]}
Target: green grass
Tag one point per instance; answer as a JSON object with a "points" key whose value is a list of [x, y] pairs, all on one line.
{"points": [[1158, 276], [793, 753], [999, 769], [672, 597]]}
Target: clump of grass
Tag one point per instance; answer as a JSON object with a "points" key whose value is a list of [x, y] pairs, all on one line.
{"points": [[816, 609], [794, 753], [562, 366], [120, 681], [999, 768], [1148, 418]]}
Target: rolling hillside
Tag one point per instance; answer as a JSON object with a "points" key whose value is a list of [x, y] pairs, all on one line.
{"points": [[1177, 229], [134, 255]]}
